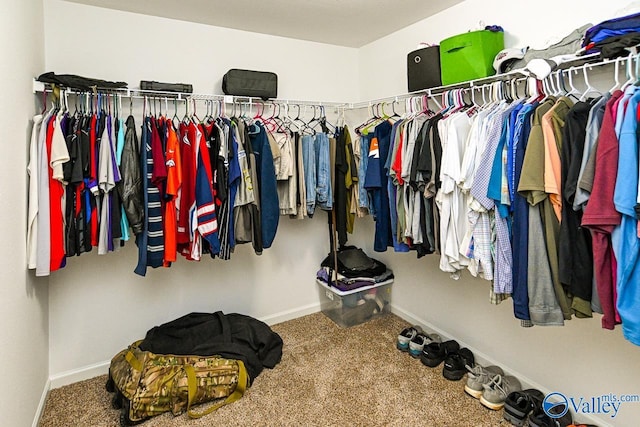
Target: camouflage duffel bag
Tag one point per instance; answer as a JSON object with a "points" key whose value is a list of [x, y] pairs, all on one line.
{"points": [[147, 384]]}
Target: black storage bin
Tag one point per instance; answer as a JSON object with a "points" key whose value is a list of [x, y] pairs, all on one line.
{"points": [[423, 68], [258, 84]]}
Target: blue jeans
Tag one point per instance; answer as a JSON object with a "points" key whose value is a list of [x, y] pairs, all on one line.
{"points": [[324, 194], [309, 164]]}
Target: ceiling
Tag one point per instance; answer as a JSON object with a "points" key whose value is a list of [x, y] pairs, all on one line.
{"points": [[351, 23]]}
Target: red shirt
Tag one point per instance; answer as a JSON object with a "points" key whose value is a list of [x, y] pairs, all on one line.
{"points": [[56, 220], [601, 216]]}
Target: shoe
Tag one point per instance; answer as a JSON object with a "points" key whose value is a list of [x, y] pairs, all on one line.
{"points": [[539, 418], [455, 364], [406, 336], [434, 353], [520, 404], [419, 341], [478, 376], [496, 391]]}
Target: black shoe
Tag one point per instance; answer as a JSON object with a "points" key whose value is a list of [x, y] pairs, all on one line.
{"points": [[455, 364], [434, 353], [520, 404], [539, 418]]}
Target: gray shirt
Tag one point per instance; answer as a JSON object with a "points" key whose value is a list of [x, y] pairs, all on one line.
{"points": [[585, 177]]}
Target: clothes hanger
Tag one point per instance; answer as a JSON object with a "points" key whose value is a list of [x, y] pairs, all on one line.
{"points": [[629, 74], [194, 115], [327, 126], [559, 85], [282, 126], [551, 87], [589, 89], [259, 108], [299, 122], [532, 90], [175, 118], [616, 76], [374, 120], [574, 92], [186, 120], [290, 122], [393, 108]]}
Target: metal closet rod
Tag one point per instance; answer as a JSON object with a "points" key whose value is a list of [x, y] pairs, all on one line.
{"points": [[229, 99]]}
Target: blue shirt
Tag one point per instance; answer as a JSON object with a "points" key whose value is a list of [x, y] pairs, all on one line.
{"points": [[374, 180], [392, 191], [511, 152], [627, 245], [520, 229]]}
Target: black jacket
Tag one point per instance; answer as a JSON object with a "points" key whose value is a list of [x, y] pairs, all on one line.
{"points": [[130, 187], [233, 336]]}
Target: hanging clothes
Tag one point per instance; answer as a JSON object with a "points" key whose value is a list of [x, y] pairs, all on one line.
{"points": [[265, 171], [375, 184]]}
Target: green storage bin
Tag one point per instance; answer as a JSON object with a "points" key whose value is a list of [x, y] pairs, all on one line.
{"points": [[469, 56]]}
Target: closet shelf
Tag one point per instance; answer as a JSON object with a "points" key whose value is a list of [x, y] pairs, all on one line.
{"points": [[584, 63], [39, 87]]}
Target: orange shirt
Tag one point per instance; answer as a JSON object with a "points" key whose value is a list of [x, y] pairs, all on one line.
{"points": [[552, 124], [174, 182]]}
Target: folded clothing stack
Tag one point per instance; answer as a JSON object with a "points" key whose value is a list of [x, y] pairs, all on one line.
{"points": [[344, 283]]}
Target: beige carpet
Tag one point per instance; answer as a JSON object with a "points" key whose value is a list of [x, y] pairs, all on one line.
{"points": [[328, 376]]}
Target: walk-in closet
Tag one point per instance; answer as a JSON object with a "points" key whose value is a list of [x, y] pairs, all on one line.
{"points": [[342, 70]]}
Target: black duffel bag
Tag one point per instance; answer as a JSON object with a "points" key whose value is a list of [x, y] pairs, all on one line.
{"points": [[256, 84]]}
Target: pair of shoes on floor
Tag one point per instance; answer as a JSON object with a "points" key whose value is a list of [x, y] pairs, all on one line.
{"points": [[455, 365], [419, 342], [524, 408], [539, 418], [490, 385], [414, 339], [521, 404], [496, 391], [406, 336], [478, 376], [455, 358]]}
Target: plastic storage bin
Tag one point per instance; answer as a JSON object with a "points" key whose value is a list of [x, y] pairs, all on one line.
{"points": [[423, 68], [469, 56], [349, 308]]}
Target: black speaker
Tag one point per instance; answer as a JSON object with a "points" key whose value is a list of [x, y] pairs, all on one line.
{"points": [[423, 68]]}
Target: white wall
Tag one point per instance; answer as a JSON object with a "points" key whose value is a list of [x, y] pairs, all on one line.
{"points": [[97, 304], [23, 299], [114, 45], [580, 359]]}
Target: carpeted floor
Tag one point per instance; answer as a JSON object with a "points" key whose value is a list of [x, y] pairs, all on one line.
{"points": [[328, 376]]}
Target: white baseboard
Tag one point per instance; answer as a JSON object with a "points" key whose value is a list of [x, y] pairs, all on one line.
{"points": [[484, 359], [43, 400], [283, 316], [80, 374]]}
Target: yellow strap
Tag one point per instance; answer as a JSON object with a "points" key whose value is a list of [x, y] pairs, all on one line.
{"points": [[243, 382], [133, 361]]}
